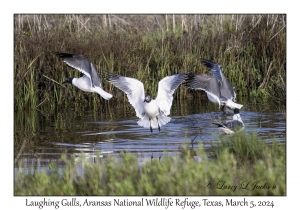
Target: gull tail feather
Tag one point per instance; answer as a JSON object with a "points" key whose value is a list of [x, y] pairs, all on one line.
{"points": [[145, 122], [233, 105], [103, 93]]}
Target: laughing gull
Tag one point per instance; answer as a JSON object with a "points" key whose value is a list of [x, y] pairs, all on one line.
{"points": [[222, 95], [225, 88], [152, 112], [233, 126], [90, 81]]}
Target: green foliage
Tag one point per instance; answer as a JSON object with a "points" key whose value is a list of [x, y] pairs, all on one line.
{"points": [[239, 164], [250, 48]]}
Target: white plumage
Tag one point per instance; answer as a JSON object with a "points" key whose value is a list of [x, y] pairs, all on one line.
{"points": [[233, 126], [152, 112], [90, 81], [220, 94]]}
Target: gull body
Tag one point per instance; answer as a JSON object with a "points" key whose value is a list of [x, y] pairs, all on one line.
{"points": [[233, 126], [90, 81], [153, 113], [216, 70], [223, 95]]}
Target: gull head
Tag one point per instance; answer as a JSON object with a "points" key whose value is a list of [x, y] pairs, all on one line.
{"points": [[236, 111], [147, 98], [69, 80]]}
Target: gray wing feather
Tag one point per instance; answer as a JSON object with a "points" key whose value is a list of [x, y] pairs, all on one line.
{"points": [[95, 77], [204, 82], [79, 62], [226, 89], [216, 70]]}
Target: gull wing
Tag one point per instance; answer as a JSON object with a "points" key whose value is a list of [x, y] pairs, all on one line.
{"points": [[216, 70], [79, 62], [95, 76], [220, 125], [166, 88], [134, 90], [205, 82], [226, 89]]}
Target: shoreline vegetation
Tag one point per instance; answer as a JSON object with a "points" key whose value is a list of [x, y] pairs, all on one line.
{"points": [[250, 48], [242, 165]]}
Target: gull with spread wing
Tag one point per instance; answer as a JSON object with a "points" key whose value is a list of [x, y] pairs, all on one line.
{"points": [[153, 113], [90, 81], [223, 95]]}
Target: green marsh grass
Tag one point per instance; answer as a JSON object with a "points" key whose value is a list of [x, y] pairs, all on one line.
{"points": [[250, 48], [254, 167]]}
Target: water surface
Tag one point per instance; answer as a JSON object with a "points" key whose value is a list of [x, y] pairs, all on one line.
{"points": [[41, 138]]}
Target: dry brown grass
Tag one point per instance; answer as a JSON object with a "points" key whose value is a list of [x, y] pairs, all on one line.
{"points": [[251, 49]]}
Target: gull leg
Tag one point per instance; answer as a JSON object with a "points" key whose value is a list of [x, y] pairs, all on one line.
{"points": [[158, 123], [150, 125], [224, 108]]}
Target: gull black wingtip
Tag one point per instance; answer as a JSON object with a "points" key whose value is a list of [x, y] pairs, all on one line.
{"points": [[184, 75], [112, 76], [203, 60], [208, 63], [189, 75], [207, 60], [63, 55], [218, 124], [58, 53], [189, 78]]}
